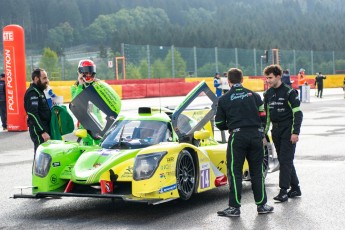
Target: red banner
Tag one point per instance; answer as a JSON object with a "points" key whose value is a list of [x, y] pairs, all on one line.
{"points": [[15, 76]]}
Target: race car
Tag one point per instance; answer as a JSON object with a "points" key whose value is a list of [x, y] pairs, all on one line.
{"points": [[154, 156]]}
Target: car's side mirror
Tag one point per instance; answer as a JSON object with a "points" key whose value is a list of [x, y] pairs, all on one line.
{"points": [[81, 133], [201, 135]]}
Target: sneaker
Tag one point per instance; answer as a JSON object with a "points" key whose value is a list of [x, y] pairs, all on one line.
{"points": [[282, 196], [294, 191], [264, 209], [231, 211], [4, 129]]}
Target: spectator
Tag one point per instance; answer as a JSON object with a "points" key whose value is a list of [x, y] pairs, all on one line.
{"points": [[286, 78], [225, 83], [3, 112], [217, 84], [319, 83], [301, 81]]}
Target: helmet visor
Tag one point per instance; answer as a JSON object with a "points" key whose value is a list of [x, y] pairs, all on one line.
{"points": [[87, 69]]}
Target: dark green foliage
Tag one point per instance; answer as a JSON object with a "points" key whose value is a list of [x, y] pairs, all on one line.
{"points": [[261, 24]]}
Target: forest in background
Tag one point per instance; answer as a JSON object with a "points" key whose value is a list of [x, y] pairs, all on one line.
{"points": [[262, 24]]}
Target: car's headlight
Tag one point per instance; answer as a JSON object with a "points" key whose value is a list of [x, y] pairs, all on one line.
{"points": [[42, 164], [145, 165]]}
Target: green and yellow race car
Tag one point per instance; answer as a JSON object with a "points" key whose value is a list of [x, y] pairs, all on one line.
{"points": [[154, 156]]}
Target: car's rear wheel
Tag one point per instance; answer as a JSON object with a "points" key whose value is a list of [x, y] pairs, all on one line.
{"points": [[268, 149], [266, 161], [185, 175]]}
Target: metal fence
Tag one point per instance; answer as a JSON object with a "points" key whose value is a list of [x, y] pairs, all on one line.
{"points": [[146, 61], [204, 62]]}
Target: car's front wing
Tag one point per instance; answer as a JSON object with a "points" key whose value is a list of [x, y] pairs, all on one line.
{"points": [[126, 198]]}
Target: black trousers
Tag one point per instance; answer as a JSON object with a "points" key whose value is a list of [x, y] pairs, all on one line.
{"points": [[245, 144], [3, 114], [286, 153], [319, 90], [35, 137]]}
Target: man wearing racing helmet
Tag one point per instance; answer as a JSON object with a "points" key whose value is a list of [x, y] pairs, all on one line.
{"points": [[86, 77]]}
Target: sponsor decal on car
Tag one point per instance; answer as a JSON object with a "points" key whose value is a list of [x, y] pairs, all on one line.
{"points": [[166, 167], [56, 164], [167, 188], [107, 152], [128, 172], [220, 165], [67, 171], [170, 173], [162, 175], [53, 179], [170, 159]]}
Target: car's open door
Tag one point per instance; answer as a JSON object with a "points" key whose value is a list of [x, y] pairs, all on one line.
{"points": [[96, 108], [196, 110]]}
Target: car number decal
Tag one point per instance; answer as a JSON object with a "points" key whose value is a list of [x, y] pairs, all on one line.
{"points": [[205, 176]]}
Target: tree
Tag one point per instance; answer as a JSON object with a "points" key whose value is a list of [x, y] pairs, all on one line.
{"points": [[143, 68], [133, 72], [159, 70], [179, 63], [50, 61], [103, 51], [60, 37]]}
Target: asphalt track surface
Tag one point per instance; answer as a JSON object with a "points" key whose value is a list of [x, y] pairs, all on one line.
{"points": [[319, 161]]}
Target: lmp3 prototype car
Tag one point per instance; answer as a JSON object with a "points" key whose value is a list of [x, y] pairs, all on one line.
{"points": [[154, 156]]}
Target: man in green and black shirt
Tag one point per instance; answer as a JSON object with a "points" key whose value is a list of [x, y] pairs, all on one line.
{"points": [[283, 111], [37, 108], [241, 111]]}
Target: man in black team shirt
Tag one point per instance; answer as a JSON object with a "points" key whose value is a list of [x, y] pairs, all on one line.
{"points": [[241, 112], [37, 108], [282, 109]]}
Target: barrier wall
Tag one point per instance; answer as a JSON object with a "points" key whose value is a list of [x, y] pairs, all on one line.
{"points": [[256, 84], [129, 89], [157, 90], [144, 81]]}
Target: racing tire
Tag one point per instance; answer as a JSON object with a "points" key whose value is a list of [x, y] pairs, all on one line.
{"points": [[266, 160], [185, 175]]}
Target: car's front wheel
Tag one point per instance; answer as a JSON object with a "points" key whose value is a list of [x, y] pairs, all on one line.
{"points": [[185, 175]]}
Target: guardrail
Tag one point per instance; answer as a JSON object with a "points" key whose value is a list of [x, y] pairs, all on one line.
{"points": [[129, 89]]}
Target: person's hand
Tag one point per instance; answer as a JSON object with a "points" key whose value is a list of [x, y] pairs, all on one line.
{"points": [[45, 136], [80, 79], [264, 141], [294, 138]]}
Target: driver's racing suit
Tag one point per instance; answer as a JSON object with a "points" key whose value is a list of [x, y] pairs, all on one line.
{"points": [[241, 112]]}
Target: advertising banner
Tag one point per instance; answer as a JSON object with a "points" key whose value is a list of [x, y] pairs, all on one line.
{"points": [[15, 76]]}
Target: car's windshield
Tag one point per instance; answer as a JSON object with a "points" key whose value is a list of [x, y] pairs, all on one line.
{"points": [[133, 134]]}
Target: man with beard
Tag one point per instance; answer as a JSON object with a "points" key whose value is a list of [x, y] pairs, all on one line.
{"points": [[37, 108]]}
